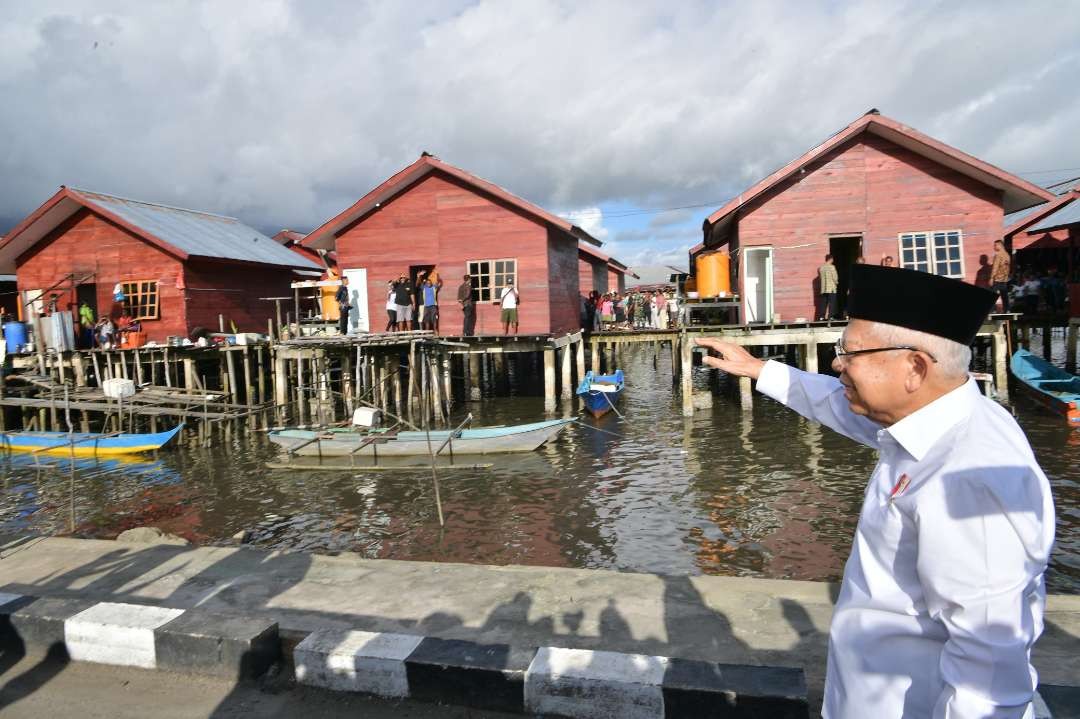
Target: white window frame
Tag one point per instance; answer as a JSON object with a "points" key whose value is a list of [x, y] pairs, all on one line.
{"points": [[931, 238], [492, 282]]}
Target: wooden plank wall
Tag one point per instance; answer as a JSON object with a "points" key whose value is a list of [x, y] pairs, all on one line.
{"points": [[440, 220], [564, 296], [86, 243], [872, 187], [233, 290]]}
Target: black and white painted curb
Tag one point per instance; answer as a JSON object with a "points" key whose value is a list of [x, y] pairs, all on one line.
{"points": [[139, 635], [549, 681]]}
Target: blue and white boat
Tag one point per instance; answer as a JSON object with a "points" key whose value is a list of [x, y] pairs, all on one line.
{"points": [[600, 392], [372, 444], [1050, 386]]}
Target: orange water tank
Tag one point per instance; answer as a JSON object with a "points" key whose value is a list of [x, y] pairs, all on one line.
{"points": [[713, 274]]}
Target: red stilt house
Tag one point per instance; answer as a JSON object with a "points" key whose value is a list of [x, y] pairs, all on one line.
{"points": [[432, 215], [178, 269], [1048, 236], [875, 189]]}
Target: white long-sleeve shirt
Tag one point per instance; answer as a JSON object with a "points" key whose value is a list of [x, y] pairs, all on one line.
{"points": [[943, 594]]}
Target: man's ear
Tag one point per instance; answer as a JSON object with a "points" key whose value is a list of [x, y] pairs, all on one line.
{"points": [[919, 371]]}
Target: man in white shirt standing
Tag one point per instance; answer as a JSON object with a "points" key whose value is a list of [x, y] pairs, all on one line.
{"points": [[943, 594], [509, 302]]}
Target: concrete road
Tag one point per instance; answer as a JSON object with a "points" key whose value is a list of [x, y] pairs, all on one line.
{"points": [[37, 686]]}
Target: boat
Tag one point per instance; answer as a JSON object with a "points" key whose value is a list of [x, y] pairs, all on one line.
{"points": [[1048, 385], [373, 444], [600, 392], [86, 444]]}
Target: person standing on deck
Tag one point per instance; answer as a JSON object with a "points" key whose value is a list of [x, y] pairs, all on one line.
{"points": [[1000, 271], [943, 594], [431, 307], [403, 296], [509, 302], [391, 308], [86, 325], [342, 297], [829, 280], [468, 306]]}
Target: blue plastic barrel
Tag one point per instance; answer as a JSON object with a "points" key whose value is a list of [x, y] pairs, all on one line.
{"points": [[14, 336]]}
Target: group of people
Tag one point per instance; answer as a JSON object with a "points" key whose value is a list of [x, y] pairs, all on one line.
{"points": [[629, 310], [1023, 290], [829, 281], [415, 305], [104, 332]]}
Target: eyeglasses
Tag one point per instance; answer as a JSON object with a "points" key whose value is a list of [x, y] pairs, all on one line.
{"points": [[841, 352]]}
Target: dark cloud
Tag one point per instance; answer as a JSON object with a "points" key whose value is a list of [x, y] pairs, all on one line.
{"points": [[285, 112]]}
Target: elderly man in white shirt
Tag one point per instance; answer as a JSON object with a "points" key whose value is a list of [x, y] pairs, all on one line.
{"points": [[943, 594]]}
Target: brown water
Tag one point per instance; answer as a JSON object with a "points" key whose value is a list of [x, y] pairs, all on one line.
{"points": [[763, 494]]}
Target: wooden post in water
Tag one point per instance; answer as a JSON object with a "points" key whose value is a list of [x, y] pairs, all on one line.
{"points": [[567, 389], [549, 379], [500, 369], [1001, 364], [594, 358], [445, 359], [746, 394], [579, 355], [382, 362], [281, 390], [301, 390], [811, 357], [189, 373], [347, 386], [686, 375], [676, 344], [475, 375], [395, 371], [1048, 333], [1072, 334], [1025, 336]]}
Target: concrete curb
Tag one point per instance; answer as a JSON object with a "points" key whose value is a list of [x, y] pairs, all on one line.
{"points": [[556, 681], [141, 635], [547, 680]]}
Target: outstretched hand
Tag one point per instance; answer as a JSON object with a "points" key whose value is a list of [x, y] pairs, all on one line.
{"points": [[733, 359]]}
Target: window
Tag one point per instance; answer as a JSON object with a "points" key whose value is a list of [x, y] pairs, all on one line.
{"points": [[141, 299], [939, 252], [489, 277]]}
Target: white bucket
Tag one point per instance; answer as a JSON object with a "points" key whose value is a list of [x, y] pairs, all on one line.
{"points": [[366, 417]]}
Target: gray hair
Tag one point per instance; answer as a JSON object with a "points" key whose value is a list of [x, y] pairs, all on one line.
{"points": [[953, 358]]}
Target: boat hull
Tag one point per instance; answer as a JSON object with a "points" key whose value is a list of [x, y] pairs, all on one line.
{"points": [[490, 440], [86, 445], [599, 403], [1050, 386]]}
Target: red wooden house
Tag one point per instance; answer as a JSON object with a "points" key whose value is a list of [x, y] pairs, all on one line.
{"points": [[599, 272], [432, 215], [877, 188], [179, 269]]}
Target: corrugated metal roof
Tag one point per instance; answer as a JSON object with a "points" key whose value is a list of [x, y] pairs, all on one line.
{"points": [[1013, 217], [1067, 215], [200, 234]]}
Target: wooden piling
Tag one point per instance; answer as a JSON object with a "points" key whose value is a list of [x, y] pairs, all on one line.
{"points": [[549, 379], [594, 359], [1001, 364], [567, 389], [811, 357], [1072, 334], [686, 375], [475, 376], [579, 355]]}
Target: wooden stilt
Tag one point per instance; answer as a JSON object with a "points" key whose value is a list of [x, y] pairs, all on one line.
{"points": [[567, 389], [189, 373], [579, 356], [1001, 365], [347, 386], [686, 376], [746, 394], [448, 387], [474, 376], [549, 379], [395, 372], [1072, 334], [811, 358], [281, 390], [594, 359]]}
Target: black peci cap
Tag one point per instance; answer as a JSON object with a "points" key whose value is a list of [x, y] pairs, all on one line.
{"points": [[919, 301]]}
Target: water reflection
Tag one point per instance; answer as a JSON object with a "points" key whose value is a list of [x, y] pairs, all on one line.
{"points": [[761, 493]]}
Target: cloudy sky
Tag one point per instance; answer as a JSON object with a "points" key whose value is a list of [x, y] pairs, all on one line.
{"points": [[637, 117]]}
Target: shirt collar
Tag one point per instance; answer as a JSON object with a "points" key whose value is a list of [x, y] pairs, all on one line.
{"points": [[918, 432]]}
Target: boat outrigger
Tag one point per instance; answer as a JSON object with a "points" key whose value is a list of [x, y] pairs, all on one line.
{"points": [[600, 392], [85, 444], [1050, 386]]}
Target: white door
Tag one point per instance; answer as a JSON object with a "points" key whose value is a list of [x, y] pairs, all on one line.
{"points": [[757, 285], [358, 313]]}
